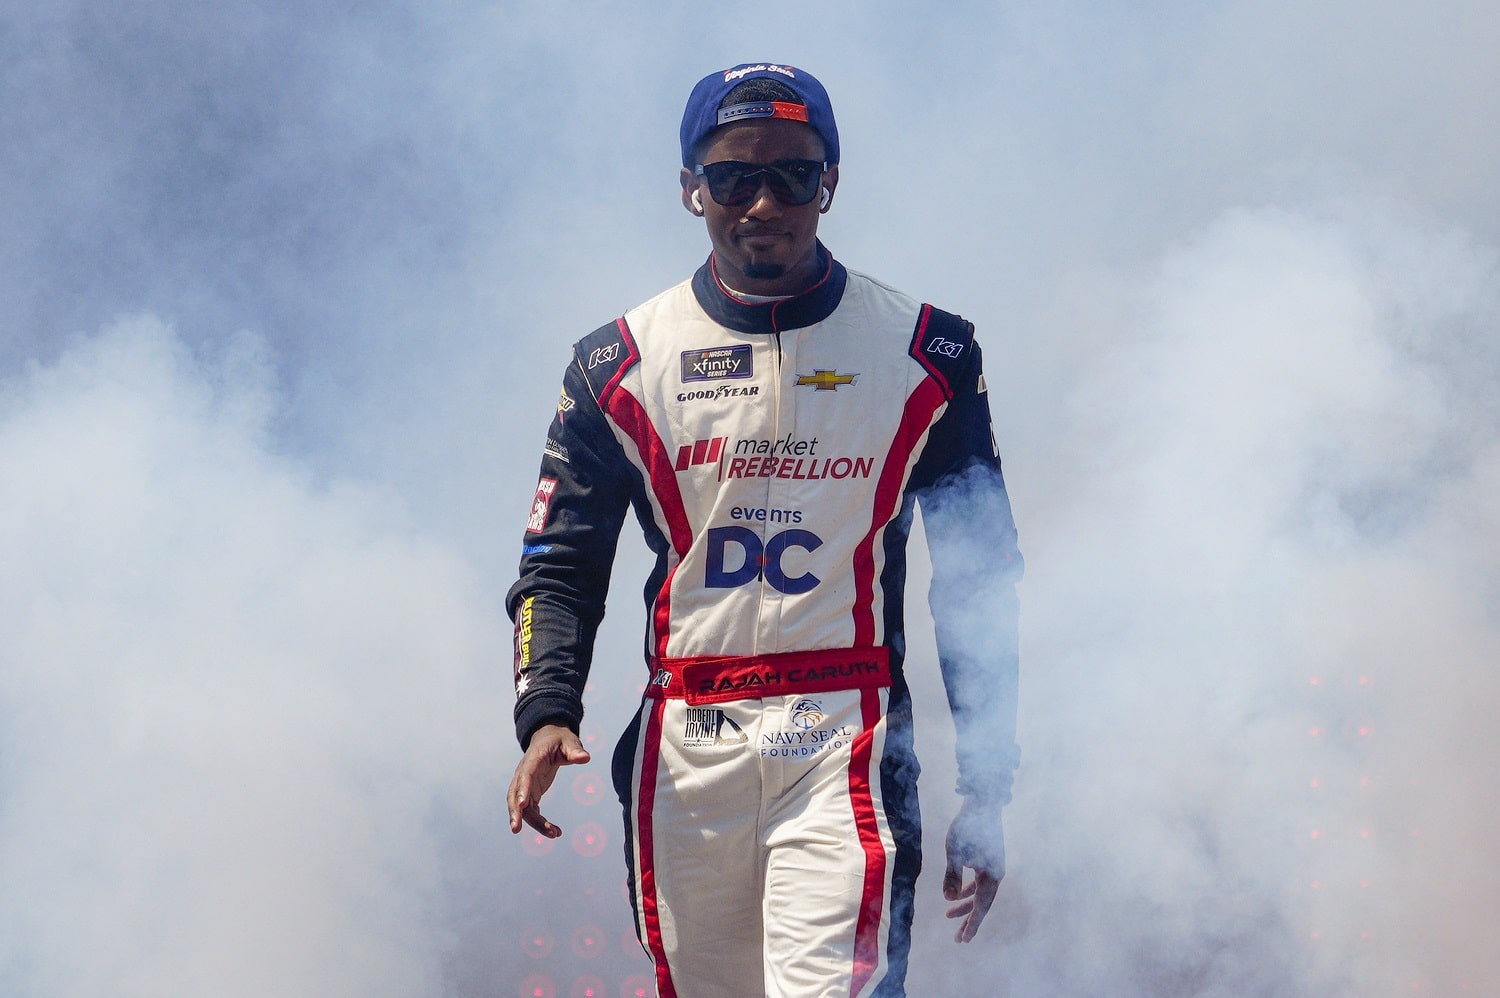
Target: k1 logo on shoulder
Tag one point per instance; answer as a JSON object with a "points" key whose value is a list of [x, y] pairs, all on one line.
{"points": [[603, 355], [714, 363], [946, 348]]}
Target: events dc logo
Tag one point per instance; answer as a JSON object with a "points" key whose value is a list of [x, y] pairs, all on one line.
{"points": [[757, 559]]}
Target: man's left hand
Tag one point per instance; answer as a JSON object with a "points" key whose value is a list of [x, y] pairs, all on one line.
{"points": [[976, 840]]}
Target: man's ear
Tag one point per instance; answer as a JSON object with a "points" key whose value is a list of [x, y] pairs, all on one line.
{"points": [[692, 200], [830, 183]]}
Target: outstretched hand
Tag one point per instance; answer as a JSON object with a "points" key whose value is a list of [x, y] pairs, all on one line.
{"points": [[976, 840], [552, 746]]}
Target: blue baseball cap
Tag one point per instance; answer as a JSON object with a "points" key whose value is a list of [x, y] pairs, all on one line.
{"points": [[703, 113]]}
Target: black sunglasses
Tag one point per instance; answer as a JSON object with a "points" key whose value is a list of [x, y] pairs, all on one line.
{"points": [[792, 181]]}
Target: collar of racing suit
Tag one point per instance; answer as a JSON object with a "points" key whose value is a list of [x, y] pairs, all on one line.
{"points": [[813, 305]]}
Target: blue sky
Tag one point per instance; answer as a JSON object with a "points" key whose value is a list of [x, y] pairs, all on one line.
{"points": [[285, 294]]}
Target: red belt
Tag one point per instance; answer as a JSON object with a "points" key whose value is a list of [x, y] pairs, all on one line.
{"points": [[721, 678]]}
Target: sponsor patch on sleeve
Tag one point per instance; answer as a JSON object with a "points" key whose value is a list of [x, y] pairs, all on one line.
{"points": [[541, 505]]}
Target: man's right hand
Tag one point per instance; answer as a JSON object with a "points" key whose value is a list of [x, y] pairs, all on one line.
{"points": [[552, 746]]}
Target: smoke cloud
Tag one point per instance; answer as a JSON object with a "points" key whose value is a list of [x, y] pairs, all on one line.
{"points": [[284, 298], [236, 700], [1257, 620]]}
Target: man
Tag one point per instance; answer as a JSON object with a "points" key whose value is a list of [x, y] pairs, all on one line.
{"points": [[774, 421]]}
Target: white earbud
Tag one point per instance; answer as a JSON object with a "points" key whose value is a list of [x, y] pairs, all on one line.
{"points": [[697, 199], [824, 199]]}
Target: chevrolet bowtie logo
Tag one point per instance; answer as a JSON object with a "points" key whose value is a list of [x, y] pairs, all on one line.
{"points": [[825, 381]]}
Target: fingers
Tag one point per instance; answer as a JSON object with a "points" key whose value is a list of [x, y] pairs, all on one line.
{"points": [[534, 818], [551, 747], [516, 802], [523, 810], [524, 799], [953, 885], [979, 896]]}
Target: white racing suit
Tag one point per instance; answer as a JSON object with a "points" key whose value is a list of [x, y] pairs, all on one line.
{"points": [[774, 454]]}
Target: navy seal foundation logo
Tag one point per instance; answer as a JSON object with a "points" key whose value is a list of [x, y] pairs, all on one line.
{"points": [[807, 714], [811, 732]]}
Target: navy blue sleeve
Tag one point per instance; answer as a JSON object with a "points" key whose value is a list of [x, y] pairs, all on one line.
{"points": [[976, 563], [583, 494]]}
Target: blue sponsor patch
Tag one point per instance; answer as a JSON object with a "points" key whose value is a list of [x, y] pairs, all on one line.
{"points": [[536, 549], [717, 363]]}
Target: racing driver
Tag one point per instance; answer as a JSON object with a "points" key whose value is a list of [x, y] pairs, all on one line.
{"points": [[774, 421]]}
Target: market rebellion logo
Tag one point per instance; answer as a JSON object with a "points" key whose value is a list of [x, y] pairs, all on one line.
{"points": [[825, 381], [716, 363], [700, 452], [786, 457], [710, 726]]}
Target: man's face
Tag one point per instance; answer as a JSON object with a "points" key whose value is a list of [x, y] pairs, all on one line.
{"points": [[765, 246]]}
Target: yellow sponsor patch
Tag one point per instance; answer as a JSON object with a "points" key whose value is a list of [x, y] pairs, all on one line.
{"points": [[523, 636]]}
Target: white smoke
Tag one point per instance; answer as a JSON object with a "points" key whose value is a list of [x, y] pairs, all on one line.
{"points": [[234, 699], [1259, 628], [253, 715]]}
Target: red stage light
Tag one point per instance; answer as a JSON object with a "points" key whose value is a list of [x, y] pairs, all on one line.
{"points": [[537, 986], [639, 986], [537, 944], [587, 789], [588, 942], [589, 839], [535, 843], [587, 987]]}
